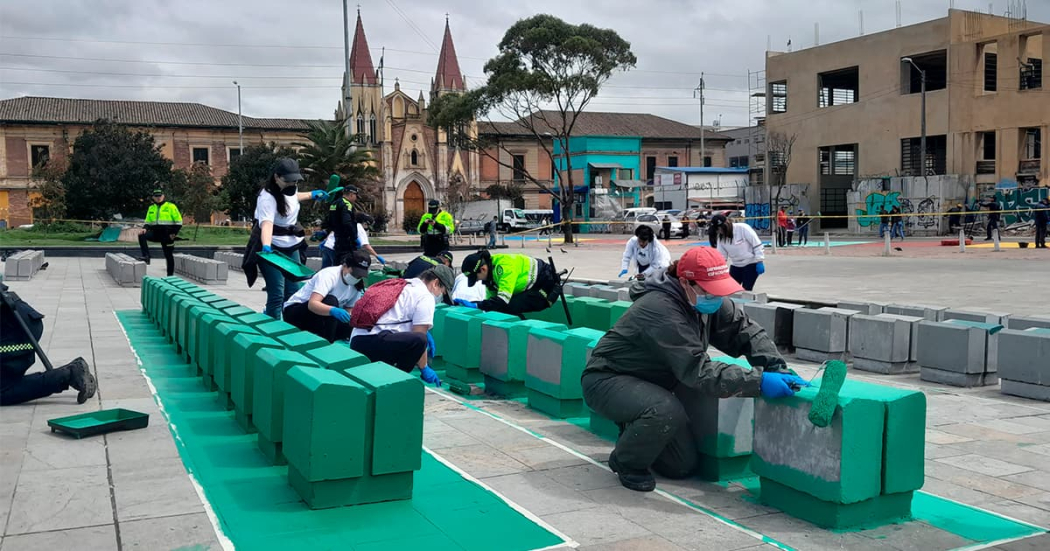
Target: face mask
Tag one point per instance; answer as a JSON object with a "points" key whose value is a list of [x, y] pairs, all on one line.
{"points": [[350, 280], [707, 305]]}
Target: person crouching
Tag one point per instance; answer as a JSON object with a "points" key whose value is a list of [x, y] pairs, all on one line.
{"points": [[322, 306]]}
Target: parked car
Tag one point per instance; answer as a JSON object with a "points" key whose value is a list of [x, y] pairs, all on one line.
{"points": [[630, 217], [656, 223], [471, 227]]}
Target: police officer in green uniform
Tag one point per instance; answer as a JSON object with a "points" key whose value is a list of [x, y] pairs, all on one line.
{"points": [[163, 223], [516, 283], [435, 227], [341, 219], [423, 263]]}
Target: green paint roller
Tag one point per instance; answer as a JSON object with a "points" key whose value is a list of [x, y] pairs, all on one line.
{"points": [[823, 407]]}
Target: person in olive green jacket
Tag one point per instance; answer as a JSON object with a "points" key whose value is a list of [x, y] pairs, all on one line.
{"points": [[163, 223], [516, 283], [435, 228], [659, 345]]}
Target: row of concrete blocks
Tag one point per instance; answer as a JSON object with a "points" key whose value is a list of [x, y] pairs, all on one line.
{"points": [[205, 270], [618, 290], [233, 260], [349, 430], [125, 270], [23, 265]]}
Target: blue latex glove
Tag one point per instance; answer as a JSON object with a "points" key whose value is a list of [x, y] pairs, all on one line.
{"points": [[760, 268], [775, 385], [339, 314], [380, 259], [431, 347], [429, 376], [622, 273], [319, 195], [267, 249], [466, 303]]}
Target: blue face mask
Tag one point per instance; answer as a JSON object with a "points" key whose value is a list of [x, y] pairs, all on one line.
{"points": [[707, 305]]}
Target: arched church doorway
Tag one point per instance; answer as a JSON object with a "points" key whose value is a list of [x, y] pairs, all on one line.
{"points": [[413, 198]]}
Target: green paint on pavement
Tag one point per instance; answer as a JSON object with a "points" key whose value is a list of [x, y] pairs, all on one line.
{"points": [[258, 509]]}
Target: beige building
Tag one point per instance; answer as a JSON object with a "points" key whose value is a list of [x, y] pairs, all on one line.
{"points": [[855, 106]]}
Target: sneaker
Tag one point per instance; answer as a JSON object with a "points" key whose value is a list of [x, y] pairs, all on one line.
{"points": [[80, 378], [639, 481], [144, 259]]}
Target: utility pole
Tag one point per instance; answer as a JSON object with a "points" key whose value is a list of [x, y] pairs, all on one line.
{"points": [[240, 121], [698, 93], [346, 64], [922, 140]]}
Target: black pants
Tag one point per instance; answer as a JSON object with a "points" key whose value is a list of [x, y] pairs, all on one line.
{"points": [[803, 235], [167, 245], [1040, 236], [665, 229], [655, 427], [992, 225], [434, 244], [781, 236], [746, 276], [540, 297], [401, 350], [16, 387], [327, 327]]}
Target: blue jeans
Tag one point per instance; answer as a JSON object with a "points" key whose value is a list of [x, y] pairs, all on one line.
{"points": [[803, 235], [492, 240], [882, 230], [278, 289], [898, 230], [327, 256]]}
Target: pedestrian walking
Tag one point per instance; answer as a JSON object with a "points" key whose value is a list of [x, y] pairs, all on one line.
{"points": [[163, 223], [803, 228], [1041, 218], [491, 228], [993, 216], [897, 217], [741, 247]]}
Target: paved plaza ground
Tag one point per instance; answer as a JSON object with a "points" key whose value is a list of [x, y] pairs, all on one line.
{"points": [[131, 491]]}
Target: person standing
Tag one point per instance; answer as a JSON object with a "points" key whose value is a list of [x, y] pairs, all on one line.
{"points": [[435, 227], [791, 231], [491, 226], [897, 216], [666, 226], [1041, 218], [277, 216], [342, 221], [885, 221], [327, 248], [993, 216], [647, 253], [741, 247], [954, 216], [163, 223], [322, 306], [782, 225], [803, 228]]}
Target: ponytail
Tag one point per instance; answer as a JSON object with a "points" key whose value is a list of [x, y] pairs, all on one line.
{"points": [[271, 187]]}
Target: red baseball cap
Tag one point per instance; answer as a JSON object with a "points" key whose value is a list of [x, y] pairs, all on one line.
{"points": [[707, 268]]}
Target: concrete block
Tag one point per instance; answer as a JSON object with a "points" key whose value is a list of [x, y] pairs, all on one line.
{"points": [[991, 361], [345, 492], [879, 510], [954, 378], [606, 292], [396, 403], [242, 375], [721, 427], [744, 297], [271, 373], [821, 335], [222, 354], [913, 322], [23, 265], [580, 311], [1024, 356], [574, 289], [619, 308], [301, 341], [1026, 390], [314, 263], [337, 356], [504, 347], [556, 313], [867, 308], [274, 328], [880, 344], [777, 318], [1020, 323], [324, 423], [125, 270], [928, 313], [462, 338], [951, 347], [603, 427], [599, 315], [441, 312], [554, 366], [994, 318]]}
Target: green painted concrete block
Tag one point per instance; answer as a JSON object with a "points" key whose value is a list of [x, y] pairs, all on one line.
{"points": [[222, 353], [462, 339], [603, 427], [556, 313], [875, 511], [271, 374], [195, 329], [337, 356], [238, 311], [351, 491], [557, 408], [207, 339], [599, 315], [504, 389], [301, 341], [581, 312], [461, 374], [254, 319], [504, 345], [840, 463], [396, 404], [243, 353], [275, 328], [619, 308], [226, 305], [177, 319], [719, 469], [438, 330], [211, 299], [324, 424], [273, 451], [556, 360]]}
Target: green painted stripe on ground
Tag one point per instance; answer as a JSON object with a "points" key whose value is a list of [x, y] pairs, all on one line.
{"points": [[257, 509]]}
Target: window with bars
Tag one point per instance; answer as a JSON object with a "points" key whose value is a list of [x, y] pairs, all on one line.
{"points": [[778, 97], [936, 156], [1032, 144], [838, 87], [200, 155], [935, 64], [1032, 74], [991, 72]]}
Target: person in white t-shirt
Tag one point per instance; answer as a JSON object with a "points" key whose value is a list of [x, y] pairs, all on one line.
{"points": [[401, 335], [328, 246], [741, 247], [277, 213], [472, 293], [647, 253], [322, 306]]}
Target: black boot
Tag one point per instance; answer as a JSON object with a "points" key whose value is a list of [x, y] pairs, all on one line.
{"points": [[80, 378], [144, 259], [639, 481]]}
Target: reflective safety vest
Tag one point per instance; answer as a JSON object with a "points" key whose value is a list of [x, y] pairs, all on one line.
{"points": [[443, 217], [164, 214], [511, 274]]}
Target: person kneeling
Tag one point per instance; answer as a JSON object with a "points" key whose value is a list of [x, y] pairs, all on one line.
{"points": [[322, 306], [660, 344], [392, 321], [515, 284]]}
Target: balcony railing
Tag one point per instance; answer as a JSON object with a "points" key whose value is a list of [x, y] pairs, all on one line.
{"points": [[1028, 167], [986, 167]]}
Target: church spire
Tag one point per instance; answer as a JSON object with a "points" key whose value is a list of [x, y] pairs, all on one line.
{"points": [[448, 77], [361, 69]]}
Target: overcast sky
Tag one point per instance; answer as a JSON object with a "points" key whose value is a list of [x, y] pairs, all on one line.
{"points": [[288, 56]]}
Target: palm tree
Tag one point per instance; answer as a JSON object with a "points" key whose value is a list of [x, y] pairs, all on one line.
{"points": [[330, 151]]}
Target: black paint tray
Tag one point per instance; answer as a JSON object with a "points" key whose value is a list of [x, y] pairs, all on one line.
{"points": [[99, 422]]}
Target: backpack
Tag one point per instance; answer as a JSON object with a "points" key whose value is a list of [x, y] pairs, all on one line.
{"points": [[379, 299], [488, 226]]}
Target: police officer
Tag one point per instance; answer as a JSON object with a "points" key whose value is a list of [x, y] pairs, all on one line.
{"points": [[423, 263], [435, 227], [515, 283], [341, 220], [163, 223]]}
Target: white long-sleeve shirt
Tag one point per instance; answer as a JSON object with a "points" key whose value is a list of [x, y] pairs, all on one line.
{"points": [[745, 248], [654, 256]]}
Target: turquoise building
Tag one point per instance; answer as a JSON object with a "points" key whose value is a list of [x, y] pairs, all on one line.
{"points": [[606, 176]]}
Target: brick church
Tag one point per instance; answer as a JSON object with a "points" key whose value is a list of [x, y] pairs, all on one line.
{"points": [[416, 161]]}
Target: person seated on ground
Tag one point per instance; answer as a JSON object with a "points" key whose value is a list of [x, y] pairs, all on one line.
{"points": [[322, 306], [463, 290], [516, 284], [17, 355], [392, 321], [423, 263], [662, 342], [647, 253]]}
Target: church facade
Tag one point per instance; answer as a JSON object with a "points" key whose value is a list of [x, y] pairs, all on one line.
{"points": [[416, 161]]}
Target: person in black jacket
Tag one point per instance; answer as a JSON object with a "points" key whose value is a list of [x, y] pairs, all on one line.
{"points": [[423, 263], [993, 216], [341, 219], [1041, 218]]}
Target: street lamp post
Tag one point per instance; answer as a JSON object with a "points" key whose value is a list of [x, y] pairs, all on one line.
{"points": [[240, 121], [922, 140]]}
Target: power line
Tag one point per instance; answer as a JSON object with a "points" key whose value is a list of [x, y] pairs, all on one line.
{"points": [[80, 84], [411, 24]]}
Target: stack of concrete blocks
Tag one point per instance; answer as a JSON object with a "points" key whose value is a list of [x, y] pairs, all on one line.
{"points": [[861, 470], [437, 331], [992, 318], [576, 289], [125, 270], [1020, 323], [612, 294], [554, 365], [594, 312], [928, 313], [504, 346], [955, 354], [744, 297], [884, 343], [991, 362], [205, 270], [461, 343], [1024, 362], [866, 308], [822, 335], [777, 318], [23, 265], [233, 260], [353, 436]]}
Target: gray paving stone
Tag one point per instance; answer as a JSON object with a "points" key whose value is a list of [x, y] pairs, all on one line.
{"points": [[188, 532], [482, 462], [650, 543], [984, 465], [59, 499], [154, 489], [597, 526], [541, 494], [94, 538]]}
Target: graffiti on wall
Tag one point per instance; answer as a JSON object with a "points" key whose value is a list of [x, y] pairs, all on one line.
{"points": [[1023, 200], [874, 205], [757, 215]]}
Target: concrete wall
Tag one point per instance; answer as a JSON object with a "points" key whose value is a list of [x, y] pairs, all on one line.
{"points": [[759, 202], [923, 197]]}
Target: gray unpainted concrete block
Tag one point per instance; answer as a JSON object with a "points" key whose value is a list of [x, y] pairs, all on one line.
{"points": [[313, 262], [543, 360], [822, 335], [710, 416], [929, 313], [867, 308], [913, 354], [23, 265], [1025, 390], [494, 346], [606, 292], [1024, 356], [954, 378], [779, 429], [880, 344], [1021, 323], [996, 318], [574, 289], [125, 270], [777, 318], [205, 270], [744, 297], [951, 347]]}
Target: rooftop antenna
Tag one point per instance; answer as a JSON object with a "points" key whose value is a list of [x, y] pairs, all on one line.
{"points": [[860, 18], [898, 13], [789, 43], [769, 42], [816, 34]]}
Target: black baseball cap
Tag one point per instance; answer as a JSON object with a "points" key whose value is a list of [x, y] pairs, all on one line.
{"points": [[472, 263], [288, 170], [158, 192], [434, 203], [717, 220], [350, 189], [358, 261]]}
